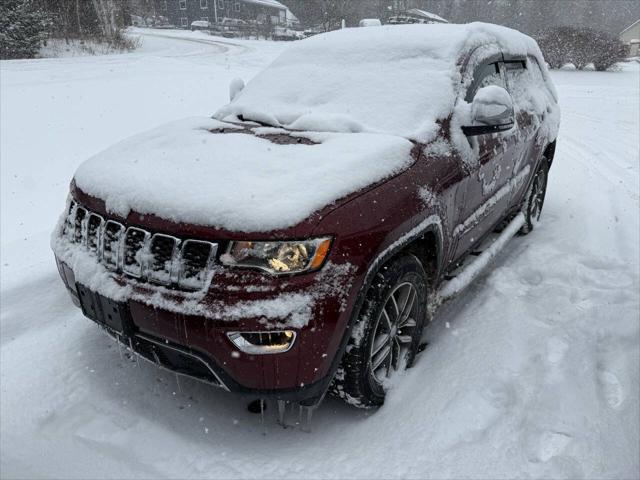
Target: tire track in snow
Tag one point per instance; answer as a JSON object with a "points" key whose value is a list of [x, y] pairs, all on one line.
{"points": [[222, 45]]}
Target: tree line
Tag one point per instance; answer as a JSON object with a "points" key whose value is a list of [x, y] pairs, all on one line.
{"points": [[528, 16], [581, 32], [26, 24]]}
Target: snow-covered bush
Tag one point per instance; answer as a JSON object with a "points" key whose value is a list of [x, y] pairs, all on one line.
{"points": [[22, 29], [580, 46]]}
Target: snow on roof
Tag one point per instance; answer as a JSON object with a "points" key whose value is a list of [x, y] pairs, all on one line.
{"points": [[425, 14], [394, 79], [630, 26], [291, 18], [268, 3]]}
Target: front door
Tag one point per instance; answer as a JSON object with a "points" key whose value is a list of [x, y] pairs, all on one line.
{"points": [[487, 192]]}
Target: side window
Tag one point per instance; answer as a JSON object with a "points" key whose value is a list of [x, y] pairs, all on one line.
{"points": [[536, 72], [518, 81], [486, 74]]}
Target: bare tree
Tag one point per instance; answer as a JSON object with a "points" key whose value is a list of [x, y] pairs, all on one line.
{"points": [[106, 11]]}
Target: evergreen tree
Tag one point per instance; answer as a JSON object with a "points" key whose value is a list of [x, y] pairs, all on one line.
{"points": [[22, 29]]}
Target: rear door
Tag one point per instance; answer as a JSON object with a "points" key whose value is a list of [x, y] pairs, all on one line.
{"points": [[487, 193], [530, 96]]}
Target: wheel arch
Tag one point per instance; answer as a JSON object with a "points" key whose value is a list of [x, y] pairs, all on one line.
{"points": [[428, 249], [549, 152], [425, 241]]}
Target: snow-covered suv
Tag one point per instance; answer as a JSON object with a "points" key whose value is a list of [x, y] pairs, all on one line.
{"points": [[292, 243]]}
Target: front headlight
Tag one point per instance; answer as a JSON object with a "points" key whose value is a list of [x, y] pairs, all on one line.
{"points": [[278, 258]]}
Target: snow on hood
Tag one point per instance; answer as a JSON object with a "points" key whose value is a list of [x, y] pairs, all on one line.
{"points": [[183, 172], [394, 79]]}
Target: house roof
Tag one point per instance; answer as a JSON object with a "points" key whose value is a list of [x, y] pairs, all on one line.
{"points": [[268, 3], [630, 26], [425, 14]]}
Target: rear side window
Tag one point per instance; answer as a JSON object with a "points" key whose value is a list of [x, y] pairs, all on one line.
{"points": [[526, 86], [536, 72], [486, 74], [519, 81]]}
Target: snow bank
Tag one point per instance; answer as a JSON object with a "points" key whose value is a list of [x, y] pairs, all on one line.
{"points": [[184, 172], [393, 79]]}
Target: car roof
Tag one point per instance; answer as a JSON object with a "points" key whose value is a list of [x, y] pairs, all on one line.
{"points": [[398, 80]]}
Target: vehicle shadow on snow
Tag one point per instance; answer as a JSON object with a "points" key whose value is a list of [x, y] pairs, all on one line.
{"points": [[141, 389]]}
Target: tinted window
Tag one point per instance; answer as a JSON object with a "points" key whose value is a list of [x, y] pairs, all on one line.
{"points": [[518, 81], [484, 75], [526, 86], [536, 73]]}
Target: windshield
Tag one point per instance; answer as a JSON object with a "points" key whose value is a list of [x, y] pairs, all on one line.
{"points": [[396, 80]]}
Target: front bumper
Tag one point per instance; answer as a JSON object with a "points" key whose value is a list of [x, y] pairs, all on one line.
{"points": [[164, 327]]}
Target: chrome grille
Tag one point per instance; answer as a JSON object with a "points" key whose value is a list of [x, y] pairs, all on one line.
{"points": [[158, 258], [111, 240], [79, 224], [195, 261], [163, 249], [134, 251], [94, 229]]}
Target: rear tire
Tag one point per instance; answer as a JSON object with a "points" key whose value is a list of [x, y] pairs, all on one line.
{"points": [[534, 201], [386, 336]]}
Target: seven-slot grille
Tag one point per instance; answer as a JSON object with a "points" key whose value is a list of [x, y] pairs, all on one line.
{"points": [[158, 258]]}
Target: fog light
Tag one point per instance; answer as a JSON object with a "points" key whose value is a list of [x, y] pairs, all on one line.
{"points": [[263, 343]]}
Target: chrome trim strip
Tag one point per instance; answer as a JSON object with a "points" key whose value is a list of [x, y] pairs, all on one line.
{"points": [[487, 207], [253, 349]]}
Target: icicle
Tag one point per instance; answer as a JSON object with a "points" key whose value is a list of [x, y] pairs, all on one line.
{"points": [[308, 412], [264, 427], [134, 353], [178, 383], [281, 413]]}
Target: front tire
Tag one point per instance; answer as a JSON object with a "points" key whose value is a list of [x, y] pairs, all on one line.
{"points": [[534, 201], [387, 333]]}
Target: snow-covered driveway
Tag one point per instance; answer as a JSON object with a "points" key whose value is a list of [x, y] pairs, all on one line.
{"points": [[533, 372]]}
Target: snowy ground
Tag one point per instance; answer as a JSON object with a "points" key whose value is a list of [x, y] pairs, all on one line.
{"points": [[533, 372]]}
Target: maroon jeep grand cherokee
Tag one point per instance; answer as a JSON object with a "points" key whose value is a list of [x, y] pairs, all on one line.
{"points": [[291, 244]]}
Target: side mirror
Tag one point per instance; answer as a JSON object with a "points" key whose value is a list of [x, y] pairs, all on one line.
{"points": [[235, 87], [491, 112]]}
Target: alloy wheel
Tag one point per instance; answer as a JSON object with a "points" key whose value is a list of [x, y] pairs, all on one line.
{"points": [[393, 332], [537, 197]]}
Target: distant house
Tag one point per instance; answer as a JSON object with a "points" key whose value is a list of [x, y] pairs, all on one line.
{"points": [[182, 12], [416, 15], [630, 36]]}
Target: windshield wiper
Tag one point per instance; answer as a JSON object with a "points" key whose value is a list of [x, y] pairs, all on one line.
{"points": [[242, 118]]}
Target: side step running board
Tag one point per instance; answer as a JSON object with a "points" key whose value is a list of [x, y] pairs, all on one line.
{"points": [[471, 271]]}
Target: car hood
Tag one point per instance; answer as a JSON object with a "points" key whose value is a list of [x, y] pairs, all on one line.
{"points": [[242, 178]]}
